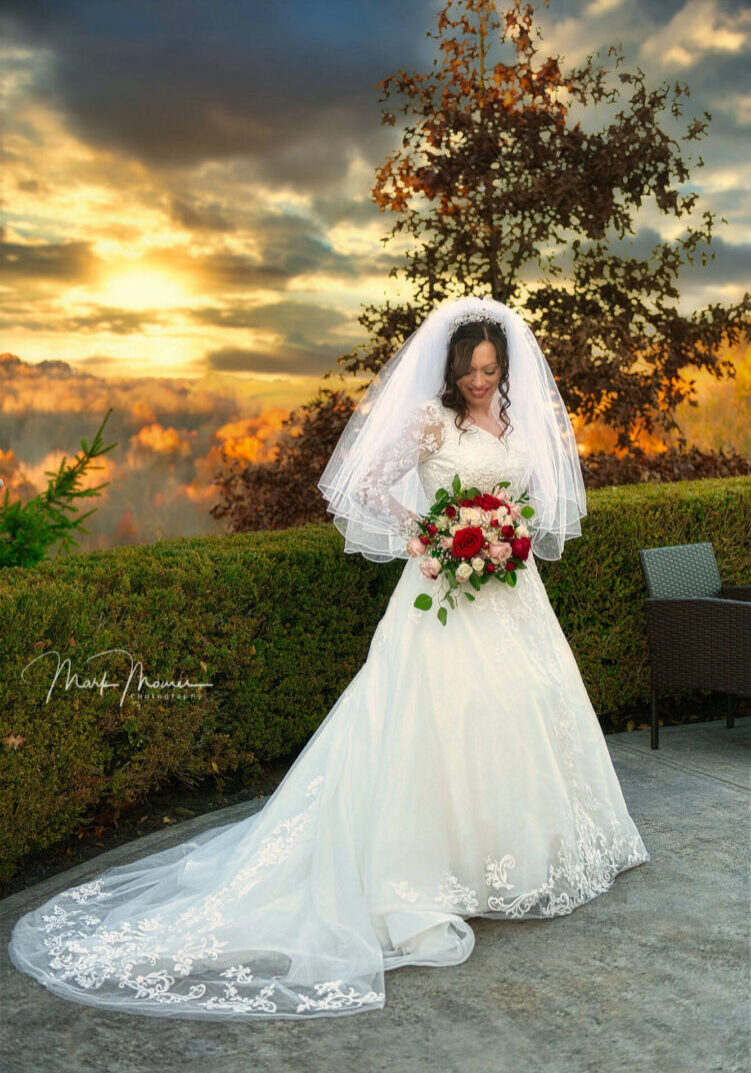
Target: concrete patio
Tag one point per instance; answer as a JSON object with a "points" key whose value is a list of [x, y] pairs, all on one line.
{"points": [[651, 976]]}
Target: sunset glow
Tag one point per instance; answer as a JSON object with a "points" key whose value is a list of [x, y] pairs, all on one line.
{"points": [[143, 288], [188, 235]]}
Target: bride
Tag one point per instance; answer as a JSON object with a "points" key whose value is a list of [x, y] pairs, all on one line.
{"points": [[462, 772]]}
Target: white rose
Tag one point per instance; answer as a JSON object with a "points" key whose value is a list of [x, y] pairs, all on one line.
{"points": [[471, 515], [463, 572], [478, 564], [522, 530]]}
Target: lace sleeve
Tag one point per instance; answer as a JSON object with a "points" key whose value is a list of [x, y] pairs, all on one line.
{"points": [[424, 434]]}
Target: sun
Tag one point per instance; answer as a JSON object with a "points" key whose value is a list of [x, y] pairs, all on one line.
{"points": [[143, 288]]}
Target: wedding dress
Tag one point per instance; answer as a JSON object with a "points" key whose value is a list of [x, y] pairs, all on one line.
{"points": [[462, 773]]}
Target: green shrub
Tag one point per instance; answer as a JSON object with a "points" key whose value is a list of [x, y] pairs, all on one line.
{"points": [[279, 623]]}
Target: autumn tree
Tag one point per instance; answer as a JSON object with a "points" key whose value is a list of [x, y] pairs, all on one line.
{"points": [[503, 189], [509, 183]]}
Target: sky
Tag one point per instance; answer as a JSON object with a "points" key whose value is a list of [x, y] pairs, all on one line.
{"points": [[186, 217]]}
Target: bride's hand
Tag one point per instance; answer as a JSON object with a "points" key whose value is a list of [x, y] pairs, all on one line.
{"points": [[414, 518]]}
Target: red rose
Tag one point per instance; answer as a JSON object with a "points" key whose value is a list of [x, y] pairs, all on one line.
{"points": [[489, 502], [467, 542], [450, 512], [507, 531], [490, 567], [432, 529], [424, 539], [520, 547], [510, 565]]}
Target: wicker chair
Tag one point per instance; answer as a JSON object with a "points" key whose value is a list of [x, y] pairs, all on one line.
{"points": [[699, 628]]}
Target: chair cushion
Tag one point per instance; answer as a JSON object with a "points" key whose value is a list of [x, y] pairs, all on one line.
{"points": [[681, 570]]}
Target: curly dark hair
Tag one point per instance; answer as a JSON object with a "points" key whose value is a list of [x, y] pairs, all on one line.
{"points": [[459, 361]]}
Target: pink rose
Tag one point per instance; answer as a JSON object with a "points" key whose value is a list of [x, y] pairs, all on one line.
{"points": [[415, 546], [430, 566], [500, 550]]}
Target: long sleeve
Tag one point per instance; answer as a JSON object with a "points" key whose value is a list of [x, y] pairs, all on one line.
{"points": [[423, 435]]}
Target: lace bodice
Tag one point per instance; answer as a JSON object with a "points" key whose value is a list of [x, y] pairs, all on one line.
{"points": [[425, 458], [479, 457]]}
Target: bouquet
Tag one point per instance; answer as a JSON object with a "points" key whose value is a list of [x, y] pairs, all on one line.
{"points": [[469, 538]]}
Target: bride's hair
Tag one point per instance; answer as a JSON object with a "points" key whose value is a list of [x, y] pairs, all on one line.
{"points": [[459, 361]]}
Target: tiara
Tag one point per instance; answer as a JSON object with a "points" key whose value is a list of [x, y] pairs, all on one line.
{"points": [[470, 315]]}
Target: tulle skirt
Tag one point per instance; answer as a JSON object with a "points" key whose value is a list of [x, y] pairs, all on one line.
{"points": [[461, 773]]}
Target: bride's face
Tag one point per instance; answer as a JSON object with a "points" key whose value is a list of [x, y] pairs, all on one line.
{"points": [[484, 375]]}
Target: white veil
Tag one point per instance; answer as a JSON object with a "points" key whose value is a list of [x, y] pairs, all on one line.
{"points": [[380, 446]]}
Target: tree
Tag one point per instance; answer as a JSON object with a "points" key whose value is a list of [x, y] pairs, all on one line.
{"points": [[500, 188], [501, 191], [29, 530]]}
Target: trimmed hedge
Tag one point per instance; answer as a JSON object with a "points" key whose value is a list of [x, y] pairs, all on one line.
{"points": [[278, 622]]}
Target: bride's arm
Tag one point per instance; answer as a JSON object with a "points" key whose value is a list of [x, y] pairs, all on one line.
{"points": [[423, 435]]}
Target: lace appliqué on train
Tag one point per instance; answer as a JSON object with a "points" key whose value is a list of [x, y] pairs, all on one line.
{"points": [[452, 893], [77, 951]]}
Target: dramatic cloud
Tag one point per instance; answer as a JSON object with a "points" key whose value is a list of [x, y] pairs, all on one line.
{"points": [[290, 85], [63, 262], [698, 28], [186, 187], [289, 359]]}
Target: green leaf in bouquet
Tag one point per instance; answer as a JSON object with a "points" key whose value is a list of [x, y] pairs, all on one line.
{"points": [[475, 581], [510, 577], [424, 602], [456, 484], [443, 614], [453, 583], [468, 595]]}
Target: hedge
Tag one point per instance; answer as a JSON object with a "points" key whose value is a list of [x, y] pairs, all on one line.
{"points": [[278, 622]]}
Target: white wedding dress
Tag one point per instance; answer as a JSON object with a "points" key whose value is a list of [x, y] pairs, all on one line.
{"points": [[461, 773]]}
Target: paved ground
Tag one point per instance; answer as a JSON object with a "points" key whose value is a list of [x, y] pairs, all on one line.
{"points": [[651, 977]]}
